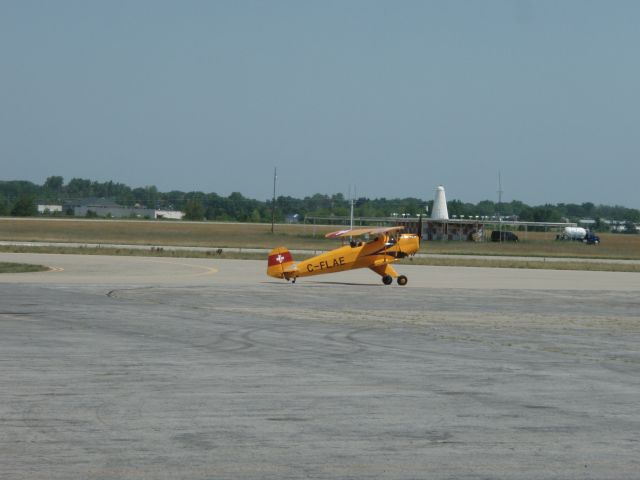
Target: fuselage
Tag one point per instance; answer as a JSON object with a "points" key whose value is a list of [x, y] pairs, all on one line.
{"points": [[382, 250]]}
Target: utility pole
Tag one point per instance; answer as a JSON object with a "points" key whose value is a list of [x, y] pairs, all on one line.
{"points": [[273, 201], [350, 215], [351, 201], [499, 203]]}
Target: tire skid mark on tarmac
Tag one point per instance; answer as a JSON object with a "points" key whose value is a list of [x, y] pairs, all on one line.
{"points": [[299, 341], [112, 414], [32, 417], [231, 337], [404, 349], [251, 334], [623, 366], [52, 428], [348, 339]]}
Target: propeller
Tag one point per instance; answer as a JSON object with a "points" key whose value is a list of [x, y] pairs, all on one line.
{"points": [[420, 227]]}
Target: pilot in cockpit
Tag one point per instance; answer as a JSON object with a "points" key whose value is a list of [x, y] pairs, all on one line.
{"points": [[391, 241]]}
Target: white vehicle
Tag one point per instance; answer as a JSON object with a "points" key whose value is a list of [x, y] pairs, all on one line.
{"points": [[579, 234], [574, 233]]}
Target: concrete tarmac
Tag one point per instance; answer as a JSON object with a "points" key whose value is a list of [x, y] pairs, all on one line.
{"points": [[135, 367]]}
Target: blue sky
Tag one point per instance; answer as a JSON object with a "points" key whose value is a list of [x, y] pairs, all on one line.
{"points": [[390, 97]]}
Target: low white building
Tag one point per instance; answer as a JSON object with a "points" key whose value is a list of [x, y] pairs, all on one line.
{"points": [[169, 215], [47, 209]]}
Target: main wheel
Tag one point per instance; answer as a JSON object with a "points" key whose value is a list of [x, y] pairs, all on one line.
{"points": [[387, 279], [402, 280]]}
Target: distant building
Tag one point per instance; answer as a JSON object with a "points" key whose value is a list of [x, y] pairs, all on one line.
{"points": [[455, 230], [587, 223], [441, 227], [107, 208], [169, 215], [49, 209]]}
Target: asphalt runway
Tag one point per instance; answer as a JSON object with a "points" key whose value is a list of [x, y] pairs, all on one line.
{"points": [[159, 368]]}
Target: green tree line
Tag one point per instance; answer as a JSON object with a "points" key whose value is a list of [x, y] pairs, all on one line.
{"points": [[19, 198]]}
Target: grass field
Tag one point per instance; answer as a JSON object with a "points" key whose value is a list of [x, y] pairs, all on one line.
{"points": [[10, 267], [193, 234], [507, 262], [302, 237], [543, 244]]}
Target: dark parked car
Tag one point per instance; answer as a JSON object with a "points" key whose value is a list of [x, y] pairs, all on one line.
{"points": [[497, 236]]}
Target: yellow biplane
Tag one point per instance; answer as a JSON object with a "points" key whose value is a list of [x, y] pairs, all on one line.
{"points": [[383, 247]]}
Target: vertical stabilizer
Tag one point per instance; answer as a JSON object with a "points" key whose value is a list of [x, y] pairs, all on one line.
{"points": [[280, 263]]}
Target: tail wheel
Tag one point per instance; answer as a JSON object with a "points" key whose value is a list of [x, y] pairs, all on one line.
{"points": [[387, 279], [402, 280]]}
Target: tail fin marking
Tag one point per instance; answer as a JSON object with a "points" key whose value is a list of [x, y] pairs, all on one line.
{"points": [[279, 257], [280, 263]]}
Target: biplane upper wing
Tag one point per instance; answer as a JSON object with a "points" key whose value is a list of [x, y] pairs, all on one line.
{"points": [[355, 232]]}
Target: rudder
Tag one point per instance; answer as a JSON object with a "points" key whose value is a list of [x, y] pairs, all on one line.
{"points": [[280, 263]]}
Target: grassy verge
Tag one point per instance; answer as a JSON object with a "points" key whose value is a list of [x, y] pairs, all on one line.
{"points": [[448, 262], [535, 264], [10, 267], [134, 252], [192, 234], [613, 246]]}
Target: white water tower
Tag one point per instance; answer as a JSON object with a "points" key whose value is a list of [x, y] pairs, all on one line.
{"points": [[440, 211]]}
